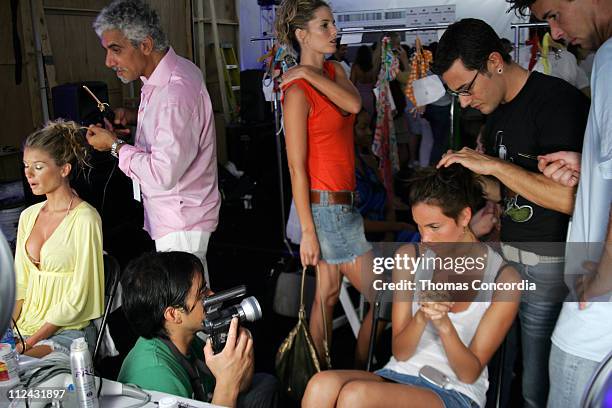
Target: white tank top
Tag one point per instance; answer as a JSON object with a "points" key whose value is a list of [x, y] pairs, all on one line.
{"points": [[430, 350]]}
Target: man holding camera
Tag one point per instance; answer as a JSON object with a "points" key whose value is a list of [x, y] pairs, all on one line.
{"points": [[162, 299]]}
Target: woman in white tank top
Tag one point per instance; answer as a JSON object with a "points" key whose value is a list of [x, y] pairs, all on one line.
{"points": [[453, 332]]}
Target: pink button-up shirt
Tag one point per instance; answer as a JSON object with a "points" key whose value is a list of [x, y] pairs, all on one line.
{"points": [[174, 156]]}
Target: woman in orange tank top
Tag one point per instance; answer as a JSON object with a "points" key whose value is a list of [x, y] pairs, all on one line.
{"points": [[320, 104]]}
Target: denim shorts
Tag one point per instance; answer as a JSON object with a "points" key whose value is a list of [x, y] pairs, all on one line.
{"points": [[450, 398], [61, 341], [340, 232]]}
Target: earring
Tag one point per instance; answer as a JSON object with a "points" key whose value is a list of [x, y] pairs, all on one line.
{"points": [[500, 70]]}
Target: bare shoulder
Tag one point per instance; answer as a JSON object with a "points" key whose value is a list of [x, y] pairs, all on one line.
{"points": [[405, 257], [294, 91]]}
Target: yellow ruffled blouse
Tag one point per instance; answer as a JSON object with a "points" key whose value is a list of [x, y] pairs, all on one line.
{"points": [[67, 287]]}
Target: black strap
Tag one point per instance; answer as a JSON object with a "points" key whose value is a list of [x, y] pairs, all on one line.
{"points": [[192, 371], [16, 42]]}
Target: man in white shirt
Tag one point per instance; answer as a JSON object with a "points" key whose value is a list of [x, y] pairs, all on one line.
{"points": [[583, 335]]}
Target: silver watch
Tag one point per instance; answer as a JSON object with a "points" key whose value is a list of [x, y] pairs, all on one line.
{"points": [[114, 147]]}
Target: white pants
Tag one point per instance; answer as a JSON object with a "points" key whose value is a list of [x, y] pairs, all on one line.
{"points": [[194, 242]]}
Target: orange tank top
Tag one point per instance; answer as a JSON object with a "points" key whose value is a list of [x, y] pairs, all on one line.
{"points": [[331, 152]]}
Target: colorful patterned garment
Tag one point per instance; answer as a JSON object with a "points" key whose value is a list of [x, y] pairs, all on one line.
{"points": [[385, 143], [419, 65]]}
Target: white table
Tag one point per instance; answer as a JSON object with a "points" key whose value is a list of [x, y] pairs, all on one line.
{"points": [[120, 402], [111, 397]]}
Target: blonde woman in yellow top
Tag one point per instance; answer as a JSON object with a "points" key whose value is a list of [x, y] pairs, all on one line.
{"points": [[58, 260]]}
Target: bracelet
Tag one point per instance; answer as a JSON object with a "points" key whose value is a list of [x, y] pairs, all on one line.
{"points": [[24, 346]]}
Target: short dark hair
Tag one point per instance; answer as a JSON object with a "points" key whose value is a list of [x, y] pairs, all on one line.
{"points": [[154, 282], [451, 188], [470, 40], [507, 45], [521, 7]]}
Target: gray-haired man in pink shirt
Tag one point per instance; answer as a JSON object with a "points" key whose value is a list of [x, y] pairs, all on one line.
{"points": [[173, 162]]}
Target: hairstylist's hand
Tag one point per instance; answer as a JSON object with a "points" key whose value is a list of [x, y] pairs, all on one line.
{"points": [[310, 251], [472, 160], [562, 167], [99, 138]]}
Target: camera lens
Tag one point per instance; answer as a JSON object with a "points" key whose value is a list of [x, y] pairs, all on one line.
{"points": [[250, 307]]}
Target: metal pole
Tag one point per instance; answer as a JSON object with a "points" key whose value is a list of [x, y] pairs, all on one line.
{"points": [[374, 30], [279, 162], [523, 25], [517, 35], [279, 159], [517, 42]]}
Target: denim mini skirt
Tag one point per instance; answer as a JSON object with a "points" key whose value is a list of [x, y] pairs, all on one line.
{"points": [[450, 398], [340, 231]]}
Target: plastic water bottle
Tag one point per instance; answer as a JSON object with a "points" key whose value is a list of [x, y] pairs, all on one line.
{"points": [[83, 374], [9, 363], [5, 390], [9, 375], [9, 338]]}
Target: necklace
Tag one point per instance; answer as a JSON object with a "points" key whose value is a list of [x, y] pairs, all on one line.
{"points": [[65, 215], [69, 205]]}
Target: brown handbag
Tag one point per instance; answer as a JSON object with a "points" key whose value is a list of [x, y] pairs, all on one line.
{"points": [[297, 359]]}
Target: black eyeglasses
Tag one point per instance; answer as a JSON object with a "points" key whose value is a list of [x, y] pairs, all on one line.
{"points": [[467, 91], [204, 293]]}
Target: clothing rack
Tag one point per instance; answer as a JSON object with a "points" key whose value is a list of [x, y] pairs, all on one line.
{"points": [[277, 111], [517, 35], [373, 30]]}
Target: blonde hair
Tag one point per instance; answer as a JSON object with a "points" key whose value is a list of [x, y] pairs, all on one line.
{"points": [[294, 14], [63, 141]]}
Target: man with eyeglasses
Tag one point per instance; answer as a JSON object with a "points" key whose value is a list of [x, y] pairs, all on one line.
{"points": [[583, 335], [162, 297], [530, 114]]}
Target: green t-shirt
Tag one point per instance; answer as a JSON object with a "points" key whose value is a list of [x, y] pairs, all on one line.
{"points": [[152, 366]]}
